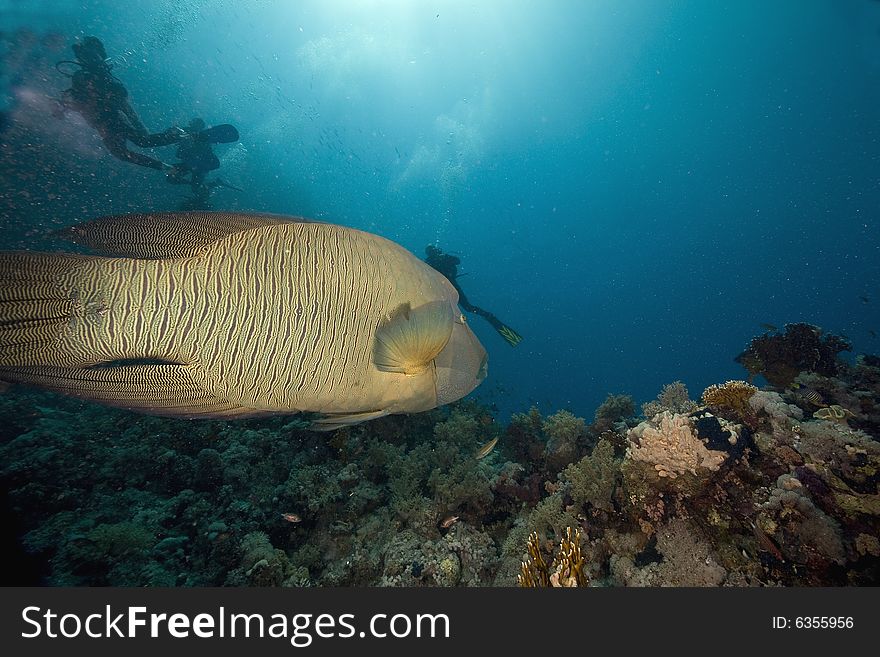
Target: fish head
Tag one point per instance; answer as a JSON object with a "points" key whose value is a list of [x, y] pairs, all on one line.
{"points": [[461, 365]]}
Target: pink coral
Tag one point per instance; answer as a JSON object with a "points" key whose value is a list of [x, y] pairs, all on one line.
{"points": [[670, 444]]}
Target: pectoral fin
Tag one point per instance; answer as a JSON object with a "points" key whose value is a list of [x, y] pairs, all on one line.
{"points": [[410, 339]]}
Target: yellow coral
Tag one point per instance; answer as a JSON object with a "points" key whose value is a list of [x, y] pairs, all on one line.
{"points": [[568, 566], [732, 396], [534, 572], [569, 563], [668, 443]]}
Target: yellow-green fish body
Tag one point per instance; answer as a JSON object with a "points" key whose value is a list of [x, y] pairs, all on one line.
{"points": [[214, 315]]}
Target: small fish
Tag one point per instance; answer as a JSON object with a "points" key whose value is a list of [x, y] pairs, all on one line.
{"points": [[291, 517], [769, 327], [483, 452], [872, 333], [766, 542], [814, 398], [448, 522], [864, 298]]}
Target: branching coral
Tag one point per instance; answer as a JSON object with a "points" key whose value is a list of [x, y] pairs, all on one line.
{"points": [[847, 462], [670, 445], [567, 569], [262, 564], [674, 398], [534, 571], [568, 566], [458, 559]]}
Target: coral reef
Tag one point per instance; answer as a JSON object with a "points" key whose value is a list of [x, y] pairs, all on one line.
{"points": [[758, 487], [683, 559], [779, 358], [802, 531]]}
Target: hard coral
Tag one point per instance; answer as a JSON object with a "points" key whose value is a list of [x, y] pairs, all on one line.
{"points": [[567, 569], [534, 571], [731, 400], [801, 348], [772, 404]]}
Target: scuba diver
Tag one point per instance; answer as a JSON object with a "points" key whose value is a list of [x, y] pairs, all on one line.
{"points": [[447, 265], [197, 158], [102, 100]]}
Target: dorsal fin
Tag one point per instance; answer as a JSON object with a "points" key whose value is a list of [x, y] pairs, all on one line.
{"points": [[164, 234], [409, 339]]}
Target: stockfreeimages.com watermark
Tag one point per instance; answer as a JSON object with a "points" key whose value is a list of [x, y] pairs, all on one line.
{"points": [[299, 629]]}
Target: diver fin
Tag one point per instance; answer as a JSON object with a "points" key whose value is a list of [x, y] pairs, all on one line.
{"points": [[512, 337], [410, 339], [170, 389], [331, 421], [165, 234], [224, 133]]}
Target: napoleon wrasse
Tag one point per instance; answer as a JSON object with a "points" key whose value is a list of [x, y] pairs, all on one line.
{"points": [[219, 315]]}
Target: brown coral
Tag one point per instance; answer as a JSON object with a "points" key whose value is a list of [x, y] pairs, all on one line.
{"points": [[568, 565], [534, 571], [801, 348], [731, 400]]}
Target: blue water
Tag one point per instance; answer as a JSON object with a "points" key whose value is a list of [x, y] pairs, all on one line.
{"points": [[633, 186]]}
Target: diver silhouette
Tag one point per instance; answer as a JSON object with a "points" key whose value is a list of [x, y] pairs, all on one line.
{"points": [[102, 100], [197, 159], [447, 265]]}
